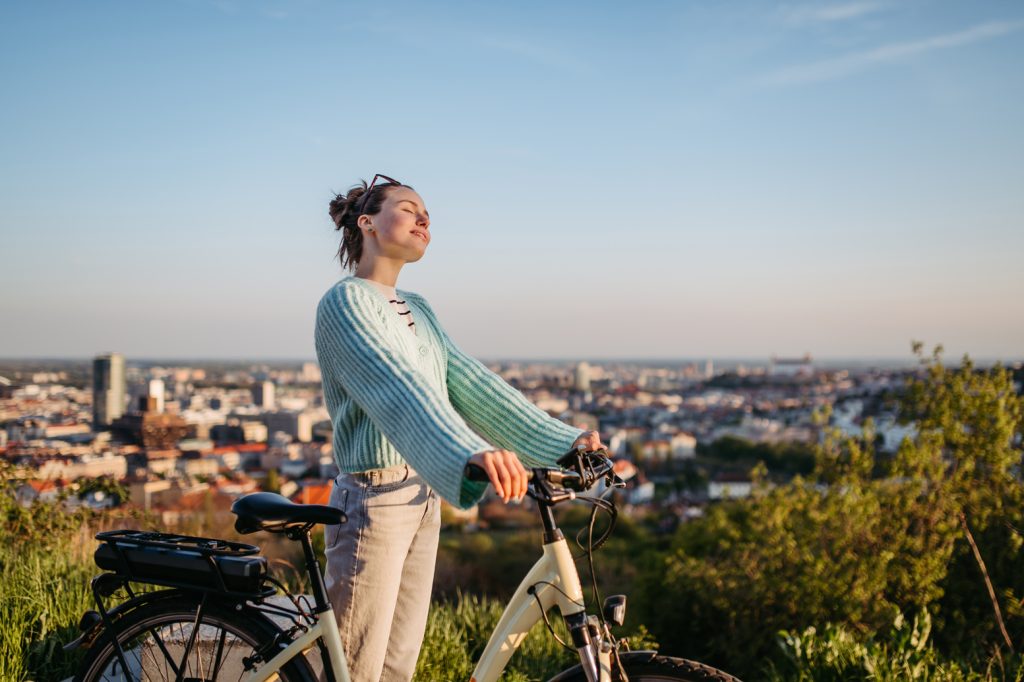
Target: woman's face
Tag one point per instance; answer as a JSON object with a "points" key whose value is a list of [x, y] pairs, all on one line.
{"points": [[402, 227]]}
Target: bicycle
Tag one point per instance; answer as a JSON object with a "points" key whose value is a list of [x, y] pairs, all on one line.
{"points": [[214, 620]]}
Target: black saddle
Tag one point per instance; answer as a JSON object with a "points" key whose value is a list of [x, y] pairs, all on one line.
{"points": [[272, 512]]}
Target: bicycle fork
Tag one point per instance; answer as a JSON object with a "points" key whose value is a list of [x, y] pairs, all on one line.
{"points": [[553, 581], [593, 646]]}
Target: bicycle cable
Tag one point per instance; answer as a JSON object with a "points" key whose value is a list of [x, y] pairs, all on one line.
{"points": [[532, 591], [609, 508], [300, 612]]}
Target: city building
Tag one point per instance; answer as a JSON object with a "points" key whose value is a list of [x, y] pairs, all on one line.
{"points": [[792, 367], [310, 373], [582, 383], [298, 425], [151, 429], [108, 389], [263, 394], [729, 485]]}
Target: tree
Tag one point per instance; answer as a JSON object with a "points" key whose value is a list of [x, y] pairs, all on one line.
{"points": [[970, 424], [109, 486]]}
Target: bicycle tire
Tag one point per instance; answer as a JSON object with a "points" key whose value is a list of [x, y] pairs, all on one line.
{"points": [[154, 630], [649, 666]]}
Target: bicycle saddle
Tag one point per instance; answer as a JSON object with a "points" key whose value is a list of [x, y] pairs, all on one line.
{"points": [[270, 511]]}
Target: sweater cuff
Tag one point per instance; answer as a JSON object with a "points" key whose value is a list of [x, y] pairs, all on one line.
{"points": [[471, 492]]}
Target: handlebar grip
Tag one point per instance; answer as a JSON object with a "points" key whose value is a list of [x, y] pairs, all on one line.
{"points": [[474, 472]]}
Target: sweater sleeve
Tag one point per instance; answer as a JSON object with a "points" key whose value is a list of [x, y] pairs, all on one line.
{"points": [[411, 413], [499, 412]]}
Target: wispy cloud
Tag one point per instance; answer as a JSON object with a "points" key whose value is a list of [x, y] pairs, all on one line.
{"points": [[829, 69], [830, 13]]}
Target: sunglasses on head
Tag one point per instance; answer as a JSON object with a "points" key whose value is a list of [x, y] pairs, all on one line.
{"points": [[366, 195]]}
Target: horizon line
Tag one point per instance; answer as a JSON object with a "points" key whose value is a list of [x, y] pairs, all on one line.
{"points": [[910, 358]]}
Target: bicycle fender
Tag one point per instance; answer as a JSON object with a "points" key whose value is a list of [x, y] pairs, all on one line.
{"points": [[114, 615]]}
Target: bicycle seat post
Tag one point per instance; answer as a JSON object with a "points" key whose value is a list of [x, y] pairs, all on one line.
{"points": [[316, 578]]}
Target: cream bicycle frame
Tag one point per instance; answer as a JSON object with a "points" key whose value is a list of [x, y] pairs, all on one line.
{"points": [[327, 628], [554, 580]]}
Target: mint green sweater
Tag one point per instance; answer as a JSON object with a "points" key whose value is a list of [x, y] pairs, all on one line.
{"points": [[394, 397]]}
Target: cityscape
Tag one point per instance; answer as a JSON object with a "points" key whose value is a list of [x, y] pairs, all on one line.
{"points": [[174, 439]]}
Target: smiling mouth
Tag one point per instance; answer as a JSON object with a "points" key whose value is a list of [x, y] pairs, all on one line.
{"points": [[420, 235]]}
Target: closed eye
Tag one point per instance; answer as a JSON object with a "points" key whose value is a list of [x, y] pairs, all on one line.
{"points": [[407, 201]]}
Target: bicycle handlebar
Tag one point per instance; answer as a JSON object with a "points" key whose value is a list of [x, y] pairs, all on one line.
{"points": [[578, 470]]}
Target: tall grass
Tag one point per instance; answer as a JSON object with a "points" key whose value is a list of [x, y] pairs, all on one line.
{"points": [[45, 590], [457, 632]]}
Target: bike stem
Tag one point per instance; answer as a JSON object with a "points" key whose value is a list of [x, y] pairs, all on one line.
{"points": [[546, 500]]}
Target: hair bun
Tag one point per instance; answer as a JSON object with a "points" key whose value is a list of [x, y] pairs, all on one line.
{"points": [[342, 205]]}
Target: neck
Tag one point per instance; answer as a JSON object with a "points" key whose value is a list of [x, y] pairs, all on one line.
{"points": [[382, 270]]}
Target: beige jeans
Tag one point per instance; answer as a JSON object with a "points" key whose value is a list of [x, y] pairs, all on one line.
{"points": [[380, 569]]}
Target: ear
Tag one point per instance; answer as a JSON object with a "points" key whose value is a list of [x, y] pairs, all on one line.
{"points": [[364, 221]]}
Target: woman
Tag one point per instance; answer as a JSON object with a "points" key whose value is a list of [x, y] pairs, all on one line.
{"points": [[409, 410]]}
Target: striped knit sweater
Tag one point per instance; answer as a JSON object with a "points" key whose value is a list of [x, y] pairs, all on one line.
{"points": [[395, 397]]}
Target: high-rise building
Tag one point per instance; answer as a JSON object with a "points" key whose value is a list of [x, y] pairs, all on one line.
{"points": [[263, 394], [582, 382], [108, 389], [146, 396], [156, 391]]}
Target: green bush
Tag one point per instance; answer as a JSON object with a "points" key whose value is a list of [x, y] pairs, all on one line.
{"points": [[848, 547], [901, 652]]}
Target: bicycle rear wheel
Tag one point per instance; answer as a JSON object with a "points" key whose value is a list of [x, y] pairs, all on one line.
{"points": [[154, 639], [648, 666]]}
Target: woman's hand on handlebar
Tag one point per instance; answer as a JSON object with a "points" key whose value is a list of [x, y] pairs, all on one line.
{"points": [[591, 440], [505, 471]]}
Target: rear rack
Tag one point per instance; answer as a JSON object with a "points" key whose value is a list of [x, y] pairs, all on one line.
{"points": [[184, 561]]}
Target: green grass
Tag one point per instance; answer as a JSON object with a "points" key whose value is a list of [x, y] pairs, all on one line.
{"points": [[457, 633], [45, 591]]}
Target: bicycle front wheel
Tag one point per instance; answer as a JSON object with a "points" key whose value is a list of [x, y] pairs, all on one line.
{"points": [[154, 639], [648, 666]]}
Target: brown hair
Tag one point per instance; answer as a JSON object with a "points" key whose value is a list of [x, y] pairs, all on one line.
{"points": [[345, 210]]}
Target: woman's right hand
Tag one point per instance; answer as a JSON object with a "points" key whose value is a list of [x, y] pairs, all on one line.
{"points": [[506, 472]]}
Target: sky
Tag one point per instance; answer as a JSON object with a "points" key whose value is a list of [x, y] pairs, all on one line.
{"points": [[605, 180]]}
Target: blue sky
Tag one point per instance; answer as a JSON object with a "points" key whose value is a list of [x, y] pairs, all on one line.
{"points": [[677, 179]]}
